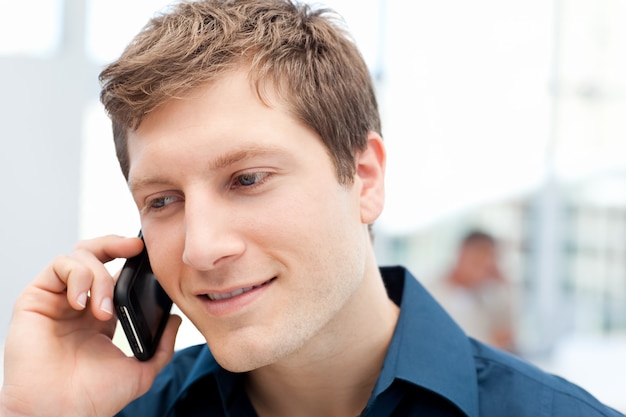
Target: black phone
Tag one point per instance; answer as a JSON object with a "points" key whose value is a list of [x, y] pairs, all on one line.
{"points": [[142, 306]]}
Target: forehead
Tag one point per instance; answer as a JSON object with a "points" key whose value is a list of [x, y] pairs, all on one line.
{"points": [[225, 116], [231, 90]]}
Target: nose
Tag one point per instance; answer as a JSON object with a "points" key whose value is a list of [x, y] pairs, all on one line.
{"points": [[211, 234]]}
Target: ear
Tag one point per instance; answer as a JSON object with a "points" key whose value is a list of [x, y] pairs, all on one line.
{"points": [[370, 173]]}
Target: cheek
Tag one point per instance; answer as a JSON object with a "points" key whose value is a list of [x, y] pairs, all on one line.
{"points": [[166, 259], [286, 218], [317, 226], [168, 279]]}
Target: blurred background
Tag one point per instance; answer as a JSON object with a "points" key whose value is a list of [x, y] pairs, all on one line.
{"points": [[504, 115]]}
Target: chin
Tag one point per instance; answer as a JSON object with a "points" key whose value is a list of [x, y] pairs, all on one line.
{"points": [[247, 355], [239, 363]]}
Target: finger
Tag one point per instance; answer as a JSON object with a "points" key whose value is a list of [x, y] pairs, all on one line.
{"points": [[84, 275], [163, 354], [100, 293], [165, 350], [60, 291], [111, 247], [96, 252], [71, 275], [105, 249]]}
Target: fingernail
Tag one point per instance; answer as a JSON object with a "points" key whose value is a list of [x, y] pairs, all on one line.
{"points": [[82, 299], [107, 305]]}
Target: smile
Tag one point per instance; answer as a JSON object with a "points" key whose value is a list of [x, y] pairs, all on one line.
{"points": [[226, 296]]}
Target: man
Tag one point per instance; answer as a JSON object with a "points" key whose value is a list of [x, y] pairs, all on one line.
{"points": [[475, 292], [248, 132]]}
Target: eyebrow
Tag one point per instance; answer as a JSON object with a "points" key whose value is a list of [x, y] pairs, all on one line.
{"points": [[224, 161], [221, 162]]}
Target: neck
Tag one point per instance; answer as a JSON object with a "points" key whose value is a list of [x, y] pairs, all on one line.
{"points": [[334, 374]]}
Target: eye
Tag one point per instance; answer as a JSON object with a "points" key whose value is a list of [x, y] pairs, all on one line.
{"points": [[161, 202], [249, 179]]}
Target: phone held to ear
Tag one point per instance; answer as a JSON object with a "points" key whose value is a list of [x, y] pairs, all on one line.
{"points": [[142, 306]]}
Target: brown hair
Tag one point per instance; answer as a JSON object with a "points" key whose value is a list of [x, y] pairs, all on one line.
{"points": [[304, 53]]}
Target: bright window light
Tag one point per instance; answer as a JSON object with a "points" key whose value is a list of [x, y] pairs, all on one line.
{"points": [[30, 28]]}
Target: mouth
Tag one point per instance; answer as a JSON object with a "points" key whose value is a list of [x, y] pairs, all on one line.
{"points": [[237, 292]]}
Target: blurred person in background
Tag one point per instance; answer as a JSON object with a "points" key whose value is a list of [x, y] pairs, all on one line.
{"points": [[475, 292]]}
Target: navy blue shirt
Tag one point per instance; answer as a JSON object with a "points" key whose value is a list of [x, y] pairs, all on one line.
{"points": [[431, 369]]}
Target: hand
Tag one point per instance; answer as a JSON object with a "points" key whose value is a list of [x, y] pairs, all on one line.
{"points": [[59, 358]]}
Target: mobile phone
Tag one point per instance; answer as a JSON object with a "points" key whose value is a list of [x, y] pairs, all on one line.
{"points": [[141, 304]]}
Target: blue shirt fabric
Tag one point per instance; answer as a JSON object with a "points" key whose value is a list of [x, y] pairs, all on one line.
{"points": [[431, 369]]}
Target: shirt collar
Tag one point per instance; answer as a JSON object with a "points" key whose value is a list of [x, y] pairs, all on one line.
{"points": [[428, 349], [205, 366]]}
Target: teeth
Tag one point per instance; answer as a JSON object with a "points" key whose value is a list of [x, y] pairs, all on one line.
{"points": [[217, 296], [225, 296]]}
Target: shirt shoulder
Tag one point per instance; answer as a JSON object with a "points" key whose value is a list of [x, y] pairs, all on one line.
{"points": [[172, 383], [515, 388]]}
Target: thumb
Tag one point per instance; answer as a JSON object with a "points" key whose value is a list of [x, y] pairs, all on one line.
{"points": [[165, 350], [163, 353]]}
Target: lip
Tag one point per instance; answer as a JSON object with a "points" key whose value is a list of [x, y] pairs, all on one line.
{"points": [[227, 302]]}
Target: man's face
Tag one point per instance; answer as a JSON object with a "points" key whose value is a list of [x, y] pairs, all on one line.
{"points": [[247, 227], [478, 263]]}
